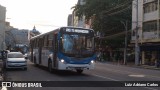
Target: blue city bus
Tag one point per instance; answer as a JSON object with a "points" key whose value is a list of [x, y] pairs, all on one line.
{"points": [[66, 48]]}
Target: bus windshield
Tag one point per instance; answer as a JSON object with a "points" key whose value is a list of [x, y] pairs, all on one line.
{"points": [[77, 45]]}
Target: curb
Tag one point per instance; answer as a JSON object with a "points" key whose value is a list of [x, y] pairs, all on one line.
{"points": [[150, 67], [128, 65]]}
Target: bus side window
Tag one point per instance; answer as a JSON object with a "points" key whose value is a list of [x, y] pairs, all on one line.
{"points": [[36, 43], [42, 41], [50, 39], [55, 45], [46, 41]]}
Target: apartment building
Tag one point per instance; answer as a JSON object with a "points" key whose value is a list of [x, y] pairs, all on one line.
{"points": [[69, 23], [77, 22], [148, 26], [2, 27]]}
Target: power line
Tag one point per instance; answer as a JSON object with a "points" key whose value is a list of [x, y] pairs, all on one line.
{"points": [[119, 11], [116, 35], [119, 6]]}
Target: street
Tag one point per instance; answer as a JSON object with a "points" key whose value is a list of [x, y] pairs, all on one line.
{"points": [[102, 72], [110, 44]]}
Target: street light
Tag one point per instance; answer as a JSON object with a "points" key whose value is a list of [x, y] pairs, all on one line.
{"points": [[136, 38]]}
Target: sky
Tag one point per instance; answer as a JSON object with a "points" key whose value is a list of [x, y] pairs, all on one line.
{"points": [[45, 15]]}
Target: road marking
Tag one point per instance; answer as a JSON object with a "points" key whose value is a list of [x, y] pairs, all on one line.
{"points": [[130, 72], [136, 75], [105, 77]]}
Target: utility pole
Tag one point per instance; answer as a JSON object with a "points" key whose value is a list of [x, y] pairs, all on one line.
{"points": [[125, 48], [136, 38]]}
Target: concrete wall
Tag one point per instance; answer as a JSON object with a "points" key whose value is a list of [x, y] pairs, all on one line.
{"points": [[2, 27]]}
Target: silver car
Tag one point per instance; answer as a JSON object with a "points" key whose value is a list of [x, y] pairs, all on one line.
{"points": [[16, 60]]}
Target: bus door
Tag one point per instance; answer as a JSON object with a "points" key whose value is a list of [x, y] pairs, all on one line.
{"points": [[55, 49], [40, 50]]}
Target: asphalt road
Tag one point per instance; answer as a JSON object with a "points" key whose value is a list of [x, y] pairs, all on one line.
{"points": [[102, 72]]}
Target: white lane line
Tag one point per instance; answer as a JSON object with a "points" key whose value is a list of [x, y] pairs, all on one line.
{"points": [[136, 75], [105, 77]]}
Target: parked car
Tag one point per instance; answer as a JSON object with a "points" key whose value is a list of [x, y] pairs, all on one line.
{"points": [[16, 60]]}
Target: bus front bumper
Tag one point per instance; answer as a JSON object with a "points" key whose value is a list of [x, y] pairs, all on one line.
{"points": [[66, 66]]}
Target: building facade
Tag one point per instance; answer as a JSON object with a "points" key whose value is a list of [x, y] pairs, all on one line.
{"points": [[77, 22], [69, 23], [2, 27], [17, 38], [147, 22], [34, 31]]}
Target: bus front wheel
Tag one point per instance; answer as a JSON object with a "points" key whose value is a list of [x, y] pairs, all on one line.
{"points": [[79, 71]]}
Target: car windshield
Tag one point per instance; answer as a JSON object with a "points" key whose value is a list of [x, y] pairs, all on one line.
{"points": [[77, 45], [15, 55]]}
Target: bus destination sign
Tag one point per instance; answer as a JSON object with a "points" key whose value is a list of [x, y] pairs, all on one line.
{"points": [[77, 30]]}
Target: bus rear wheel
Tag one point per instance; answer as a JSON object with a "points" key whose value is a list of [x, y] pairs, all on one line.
{"points": [[79, 71]]}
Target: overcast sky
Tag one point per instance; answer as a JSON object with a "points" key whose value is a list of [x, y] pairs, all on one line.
{"points": [[24, 14]]}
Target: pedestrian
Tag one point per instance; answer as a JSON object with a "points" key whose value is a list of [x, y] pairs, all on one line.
{"points": [[157, 63], [121, 58], [98, 51]]}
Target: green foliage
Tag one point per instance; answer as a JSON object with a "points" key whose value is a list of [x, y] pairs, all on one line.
{"points": [[109, 15]]}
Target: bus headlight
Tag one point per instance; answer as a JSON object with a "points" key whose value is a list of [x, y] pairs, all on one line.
{"points": [[62, 60], [92, 62]]}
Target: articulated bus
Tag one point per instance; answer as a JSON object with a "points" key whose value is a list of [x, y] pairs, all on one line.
{"points": [[66, 48]]}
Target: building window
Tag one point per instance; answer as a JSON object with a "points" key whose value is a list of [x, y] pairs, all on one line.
{"points": [[150, 7], [150, 26]]}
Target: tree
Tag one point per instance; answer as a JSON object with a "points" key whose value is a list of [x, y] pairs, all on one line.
{"points": [[108, 15]]}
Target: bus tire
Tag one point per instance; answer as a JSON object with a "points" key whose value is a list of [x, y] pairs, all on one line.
{"points": [[50, 67], [79, 71]]}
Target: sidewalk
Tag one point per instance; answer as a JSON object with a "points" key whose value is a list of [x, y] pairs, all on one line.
{"points": [[131, 65]]}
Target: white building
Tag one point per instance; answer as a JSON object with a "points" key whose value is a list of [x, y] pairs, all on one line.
{"points": [[2, 27], [148, 29], [69, 22], [77, 22]]}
